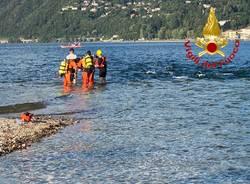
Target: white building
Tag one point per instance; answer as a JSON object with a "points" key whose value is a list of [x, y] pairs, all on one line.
{"points": [[94, 4], [86, 3], [23, 40], [222, 22], [232, 34], [83, 9], [245, 33], [94, 10], [206, 5], [156, 9], [67, 8], [4, 41]]}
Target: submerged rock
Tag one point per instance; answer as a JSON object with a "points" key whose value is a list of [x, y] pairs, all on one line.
{"points": [[14, 136]]}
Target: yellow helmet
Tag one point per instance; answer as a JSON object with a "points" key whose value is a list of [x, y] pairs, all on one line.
{"points": [[99, 52]]}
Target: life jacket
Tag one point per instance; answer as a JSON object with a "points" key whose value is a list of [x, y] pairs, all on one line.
{"points": [[88, 62], [26, 117], [100, 62], [63, 68]]}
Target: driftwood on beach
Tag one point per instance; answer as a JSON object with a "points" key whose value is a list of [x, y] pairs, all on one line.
{"points": [[14, 136]]}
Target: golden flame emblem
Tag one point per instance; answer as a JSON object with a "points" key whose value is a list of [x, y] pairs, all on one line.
{"points": [[212, 41]]}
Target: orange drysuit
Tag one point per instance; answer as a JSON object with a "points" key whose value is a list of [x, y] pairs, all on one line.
{"points": [[71, 71], [88, 68]]}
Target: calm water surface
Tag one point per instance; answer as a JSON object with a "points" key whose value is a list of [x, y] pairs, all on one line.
{"points": [[160, 119]]}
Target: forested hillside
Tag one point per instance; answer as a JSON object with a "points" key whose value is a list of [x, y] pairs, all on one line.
{"points": [[49, 20]]}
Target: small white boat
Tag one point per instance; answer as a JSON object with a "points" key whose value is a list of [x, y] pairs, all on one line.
{"points": [[72, 45]]}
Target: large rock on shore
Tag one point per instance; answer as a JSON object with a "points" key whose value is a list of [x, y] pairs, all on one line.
{"points": [[14, 136]]}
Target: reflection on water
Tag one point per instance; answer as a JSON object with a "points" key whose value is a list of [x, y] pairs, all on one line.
{"points": [[160, 119]]}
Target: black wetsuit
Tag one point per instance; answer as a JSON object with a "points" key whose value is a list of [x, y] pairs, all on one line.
{"points": [[102, 70]]}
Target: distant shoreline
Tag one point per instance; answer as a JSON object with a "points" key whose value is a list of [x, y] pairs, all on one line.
{"points": [[117, 41], [108, 41]]}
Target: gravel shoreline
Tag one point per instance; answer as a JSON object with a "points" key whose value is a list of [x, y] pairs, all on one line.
{"points": [[14, 136]]}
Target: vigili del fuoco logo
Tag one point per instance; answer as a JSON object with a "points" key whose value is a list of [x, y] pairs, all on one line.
{"points": [[211, 43]]}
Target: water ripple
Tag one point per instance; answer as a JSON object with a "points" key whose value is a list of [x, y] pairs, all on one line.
{"points": [[160, 119]]}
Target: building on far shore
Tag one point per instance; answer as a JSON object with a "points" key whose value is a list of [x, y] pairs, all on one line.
{"points": [[23, 40], [232, 34], [245, 33], [4, 41], [72, 8]]}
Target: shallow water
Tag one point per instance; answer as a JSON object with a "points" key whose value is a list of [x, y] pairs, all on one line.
{"points": [[160, 119]]}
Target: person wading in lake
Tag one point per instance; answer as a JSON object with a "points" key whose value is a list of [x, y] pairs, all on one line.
{"points": [[87, 65], [101, 64], [70, 76]]}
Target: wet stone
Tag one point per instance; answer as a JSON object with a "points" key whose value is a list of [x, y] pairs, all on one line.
{"points": [[14, 136]]}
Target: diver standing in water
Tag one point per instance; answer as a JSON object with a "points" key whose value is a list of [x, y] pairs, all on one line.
{"points": [[71, 69], [88, 68], [101, 64]]}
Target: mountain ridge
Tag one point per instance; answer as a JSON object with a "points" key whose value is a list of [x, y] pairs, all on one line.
{"points": [[126, 19]]}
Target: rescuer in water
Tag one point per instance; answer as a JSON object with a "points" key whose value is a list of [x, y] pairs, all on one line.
{"points": [[71, 68], [88, 68], [101, 64]]}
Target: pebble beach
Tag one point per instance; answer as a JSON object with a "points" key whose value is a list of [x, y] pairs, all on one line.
{"points": [[15, 136]]}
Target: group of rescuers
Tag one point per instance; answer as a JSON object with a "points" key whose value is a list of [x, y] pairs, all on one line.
{"points": [[88, 63]]}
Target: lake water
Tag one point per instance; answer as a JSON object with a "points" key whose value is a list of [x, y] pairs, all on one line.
{"points": [[160, 119]]}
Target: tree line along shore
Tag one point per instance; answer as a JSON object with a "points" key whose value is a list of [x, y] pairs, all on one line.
{"points": [[129, 20]]}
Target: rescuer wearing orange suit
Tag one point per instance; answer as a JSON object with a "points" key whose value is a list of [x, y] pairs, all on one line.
{"points": [[71, 69], [88, 68]]}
